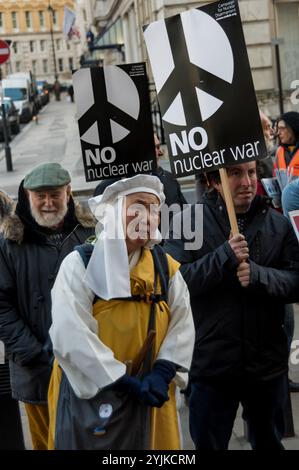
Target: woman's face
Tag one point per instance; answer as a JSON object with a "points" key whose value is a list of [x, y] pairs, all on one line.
{"points": [[285, 134], [141, 219]]}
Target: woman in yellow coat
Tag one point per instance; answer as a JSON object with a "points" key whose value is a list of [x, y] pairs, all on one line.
{"points": [[97, 331]]}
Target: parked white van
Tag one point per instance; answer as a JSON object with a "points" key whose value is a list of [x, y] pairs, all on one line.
{"points": [[18, 89]]}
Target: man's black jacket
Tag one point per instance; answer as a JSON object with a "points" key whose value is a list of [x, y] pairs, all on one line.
{"points": [[29, 263], [240, 331]]}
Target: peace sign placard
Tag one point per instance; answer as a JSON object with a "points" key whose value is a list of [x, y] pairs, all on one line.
{"points": [[205, 89], [114, 119]]}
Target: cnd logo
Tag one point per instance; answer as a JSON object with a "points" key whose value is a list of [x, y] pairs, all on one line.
{"points": [[122, 101], [189, 76]]}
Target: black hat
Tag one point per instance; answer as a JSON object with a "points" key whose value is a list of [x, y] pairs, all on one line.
{"points": [[292, 120], [103, 185]]}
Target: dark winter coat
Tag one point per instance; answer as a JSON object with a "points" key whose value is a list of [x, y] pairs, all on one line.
{"points": [[29, 263], [172, 189], [240, 331]]}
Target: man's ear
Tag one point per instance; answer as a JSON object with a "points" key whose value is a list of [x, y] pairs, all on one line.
{"points": [[68, 192], [216, 185]]}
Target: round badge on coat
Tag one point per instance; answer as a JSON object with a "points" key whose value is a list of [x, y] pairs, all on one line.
{"points": [[105, 410]]}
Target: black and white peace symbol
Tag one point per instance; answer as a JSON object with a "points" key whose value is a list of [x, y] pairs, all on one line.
{"points": [[108, 104], [193, 66]]}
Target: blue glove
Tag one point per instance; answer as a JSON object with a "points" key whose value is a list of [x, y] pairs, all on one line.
{"points": [[154, 387], [128, 384]]}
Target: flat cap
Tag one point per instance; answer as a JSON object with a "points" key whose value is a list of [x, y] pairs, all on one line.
{"points": [[47, 175]]}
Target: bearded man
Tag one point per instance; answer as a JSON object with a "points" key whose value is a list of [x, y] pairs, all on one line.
{"points": [[36, 237]]}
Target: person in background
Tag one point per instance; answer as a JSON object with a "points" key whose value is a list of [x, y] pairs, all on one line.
{"points": [[71, 93], [57, 90], [287, 154], [11, 433], [290, 198], [287, 160], [288, 132], [290, 202], [172, 189], [265, 166]]}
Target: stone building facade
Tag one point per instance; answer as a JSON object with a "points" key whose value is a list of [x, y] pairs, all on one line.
{"points": [[28, 23]]}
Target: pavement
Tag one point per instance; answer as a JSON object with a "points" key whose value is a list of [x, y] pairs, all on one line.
{"points": [[56, 139]]}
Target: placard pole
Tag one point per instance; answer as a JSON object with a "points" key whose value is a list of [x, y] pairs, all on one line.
{"points": [[229, 202]]}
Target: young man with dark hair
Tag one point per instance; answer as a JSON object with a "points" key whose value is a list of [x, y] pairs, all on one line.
{"points": [[239, 286]]}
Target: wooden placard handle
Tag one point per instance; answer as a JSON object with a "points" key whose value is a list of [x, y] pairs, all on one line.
{"points": [[229, 202]]}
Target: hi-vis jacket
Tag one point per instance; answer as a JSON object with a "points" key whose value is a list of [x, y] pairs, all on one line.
{"points": [[92, 342], [281, 164]]}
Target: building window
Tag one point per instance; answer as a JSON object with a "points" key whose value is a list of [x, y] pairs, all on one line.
{"points": [[288, 17], [45, 65], [71, 63], [68, 46], [28, 19], [32, 46], [34, 67], [60, 65], [146, 10], [55, 19], [14, 20], [112, 35], [1, 21], [18, 66], [41, 15], [42, 45], [119, 32], [15, 47], [58, 44]]}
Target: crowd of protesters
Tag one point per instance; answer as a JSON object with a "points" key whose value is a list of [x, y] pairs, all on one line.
{"points": [[103, 324]]}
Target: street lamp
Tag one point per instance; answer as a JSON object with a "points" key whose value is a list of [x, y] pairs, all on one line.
{"points": [[51, 11], [276, 42]]}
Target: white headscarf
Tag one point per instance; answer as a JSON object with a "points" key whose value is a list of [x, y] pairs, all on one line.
{"points": [[108, 272]]}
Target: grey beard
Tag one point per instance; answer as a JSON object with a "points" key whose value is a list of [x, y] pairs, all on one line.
{"points": [[48, 220]]}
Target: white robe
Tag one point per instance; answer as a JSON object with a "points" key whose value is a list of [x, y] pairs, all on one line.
{"points": [[90, 365]]}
